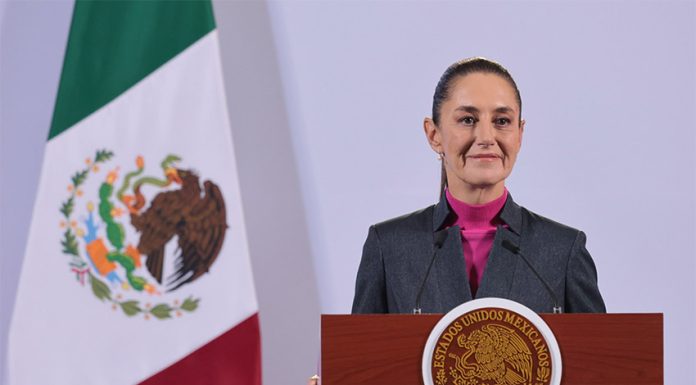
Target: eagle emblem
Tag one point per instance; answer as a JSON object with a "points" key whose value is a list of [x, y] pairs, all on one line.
{"points": [[499, 354], [490, 346], [142, 235]]}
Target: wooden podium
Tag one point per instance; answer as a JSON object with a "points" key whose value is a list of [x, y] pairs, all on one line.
{"points": [[606, 349]]}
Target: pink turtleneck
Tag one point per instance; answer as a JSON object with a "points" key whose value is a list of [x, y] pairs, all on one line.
{"points": [[478, 225]]}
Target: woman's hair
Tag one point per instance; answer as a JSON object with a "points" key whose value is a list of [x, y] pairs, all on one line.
{"points": [[466, 67], [463, 68]]}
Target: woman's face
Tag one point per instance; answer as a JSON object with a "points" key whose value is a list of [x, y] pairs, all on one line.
{"points": [[479, 133]]}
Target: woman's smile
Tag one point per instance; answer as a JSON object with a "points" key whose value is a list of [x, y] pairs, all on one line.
{"points": [[485, 158]]}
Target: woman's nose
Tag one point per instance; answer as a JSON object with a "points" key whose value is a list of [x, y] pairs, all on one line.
{"points": [[485, 134]]}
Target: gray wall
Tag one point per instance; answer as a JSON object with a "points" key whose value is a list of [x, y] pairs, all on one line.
{"points": [[326, 101], [32, 44], [273, 206]]}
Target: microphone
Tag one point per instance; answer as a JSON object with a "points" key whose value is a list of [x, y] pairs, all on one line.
{"points": [[440, 237], [516, 250]]}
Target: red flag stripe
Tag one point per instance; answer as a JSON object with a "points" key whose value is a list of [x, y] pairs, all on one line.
{"points": [[232, 358]]}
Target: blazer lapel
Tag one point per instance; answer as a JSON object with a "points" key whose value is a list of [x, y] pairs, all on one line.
{"points": [[499, 272], [452, 282], [500, 268]]}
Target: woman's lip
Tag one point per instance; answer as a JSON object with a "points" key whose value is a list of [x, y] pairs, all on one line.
{"points": [[485, 156]]}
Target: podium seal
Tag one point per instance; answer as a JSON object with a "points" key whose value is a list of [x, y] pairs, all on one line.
{"points": [[491, 341]]}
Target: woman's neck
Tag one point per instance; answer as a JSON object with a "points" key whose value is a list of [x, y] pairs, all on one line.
{"points": [[476, 217], [476, 195]]}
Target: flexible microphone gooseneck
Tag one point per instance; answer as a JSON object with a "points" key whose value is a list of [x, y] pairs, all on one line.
{"points": [[440, 237], [557, 309]]}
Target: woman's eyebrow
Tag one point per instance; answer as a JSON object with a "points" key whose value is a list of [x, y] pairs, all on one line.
{"points": [[471, 109], [504, 110]]}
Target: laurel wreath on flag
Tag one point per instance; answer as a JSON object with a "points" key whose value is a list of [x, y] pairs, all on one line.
{"points": [[82, 269]]}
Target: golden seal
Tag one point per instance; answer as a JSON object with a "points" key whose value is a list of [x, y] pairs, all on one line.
{"points": [[490, 346]]}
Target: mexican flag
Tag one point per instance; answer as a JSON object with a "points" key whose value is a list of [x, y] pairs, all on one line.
{"points": [[137, 267]]}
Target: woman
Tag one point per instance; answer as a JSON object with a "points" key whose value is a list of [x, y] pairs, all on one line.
{"points": [[479, 235]]}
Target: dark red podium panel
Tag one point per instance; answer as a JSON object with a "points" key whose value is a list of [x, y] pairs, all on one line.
{"points": [[606, 349]]}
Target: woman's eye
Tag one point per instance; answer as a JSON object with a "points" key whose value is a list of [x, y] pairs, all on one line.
{"points": [[468, 120], [502, 121]]}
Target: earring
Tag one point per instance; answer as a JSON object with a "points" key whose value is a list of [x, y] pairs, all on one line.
{"points": [[440, 156]]}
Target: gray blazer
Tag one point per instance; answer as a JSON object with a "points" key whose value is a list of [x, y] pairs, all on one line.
{"points": [[397, 253]]}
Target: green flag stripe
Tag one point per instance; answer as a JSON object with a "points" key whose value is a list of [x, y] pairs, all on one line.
{"points": [[115, 44]]}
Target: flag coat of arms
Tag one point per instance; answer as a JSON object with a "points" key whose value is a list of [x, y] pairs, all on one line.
{"points": [[137, 267]]}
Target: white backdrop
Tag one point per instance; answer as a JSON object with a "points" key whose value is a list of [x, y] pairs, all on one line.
{"points": [[327, 100]]}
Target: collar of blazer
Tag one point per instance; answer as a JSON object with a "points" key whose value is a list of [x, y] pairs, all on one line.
{"points": [[511, 214], [499, 273]]}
